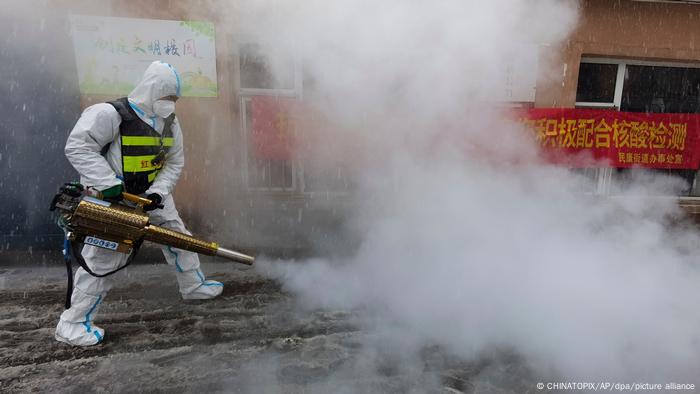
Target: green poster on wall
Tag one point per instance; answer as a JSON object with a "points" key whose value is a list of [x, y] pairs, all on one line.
{"points": [[112, 53]]}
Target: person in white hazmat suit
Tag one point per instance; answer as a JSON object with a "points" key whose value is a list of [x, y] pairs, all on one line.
{"points": [[132, 144]]}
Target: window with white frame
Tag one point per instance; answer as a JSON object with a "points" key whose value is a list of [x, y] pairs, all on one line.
{"points": [[326, 167], [263, 74], [639, 86], [597, 84], [324, 172], [264, 173]]}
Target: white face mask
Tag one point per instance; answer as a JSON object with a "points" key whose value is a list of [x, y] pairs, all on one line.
{"points": [[163, 108]]}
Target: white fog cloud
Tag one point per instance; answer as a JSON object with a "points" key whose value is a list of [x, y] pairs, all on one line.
{"points": [[483, 248]]}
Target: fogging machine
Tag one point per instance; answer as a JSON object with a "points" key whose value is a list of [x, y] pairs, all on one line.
{"points": [[121, 226]]}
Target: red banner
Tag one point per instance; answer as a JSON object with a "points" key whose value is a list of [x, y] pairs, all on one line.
{"points": [[281, 127], [584, 137], [273, 127], [287, 128]]}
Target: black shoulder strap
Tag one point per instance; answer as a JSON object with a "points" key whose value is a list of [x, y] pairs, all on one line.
{"points": [[122, 107], [74, 252], [168, 124]]}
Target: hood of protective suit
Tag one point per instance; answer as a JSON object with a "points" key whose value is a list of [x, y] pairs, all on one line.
{"points": [[160, 80]]}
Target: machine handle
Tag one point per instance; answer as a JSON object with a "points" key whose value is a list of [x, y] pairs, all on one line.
{"points": [[136, 199]]}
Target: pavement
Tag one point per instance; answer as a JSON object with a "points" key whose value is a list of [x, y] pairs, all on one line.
{"points": [[253, 338]]}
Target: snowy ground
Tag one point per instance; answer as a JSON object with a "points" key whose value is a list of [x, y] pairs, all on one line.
{"points": [[254, 338]]}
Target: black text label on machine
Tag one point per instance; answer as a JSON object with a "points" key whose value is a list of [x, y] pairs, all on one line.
{"points": [[101, 243]]}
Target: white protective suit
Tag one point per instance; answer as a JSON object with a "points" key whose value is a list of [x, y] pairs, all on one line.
{"points": [[97, 127]]}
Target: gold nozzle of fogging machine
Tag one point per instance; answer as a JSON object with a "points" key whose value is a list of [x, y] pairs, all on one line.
{"points": [[126, 225]]}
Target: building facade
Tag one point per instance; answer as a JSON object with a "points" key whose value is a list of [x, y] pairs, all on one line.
{"points": [[632, 56], [624, 55]]}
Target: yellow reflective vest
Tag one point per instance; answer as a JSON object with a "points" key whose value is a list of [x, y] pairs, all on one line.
{"points": [[143, 149]]}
